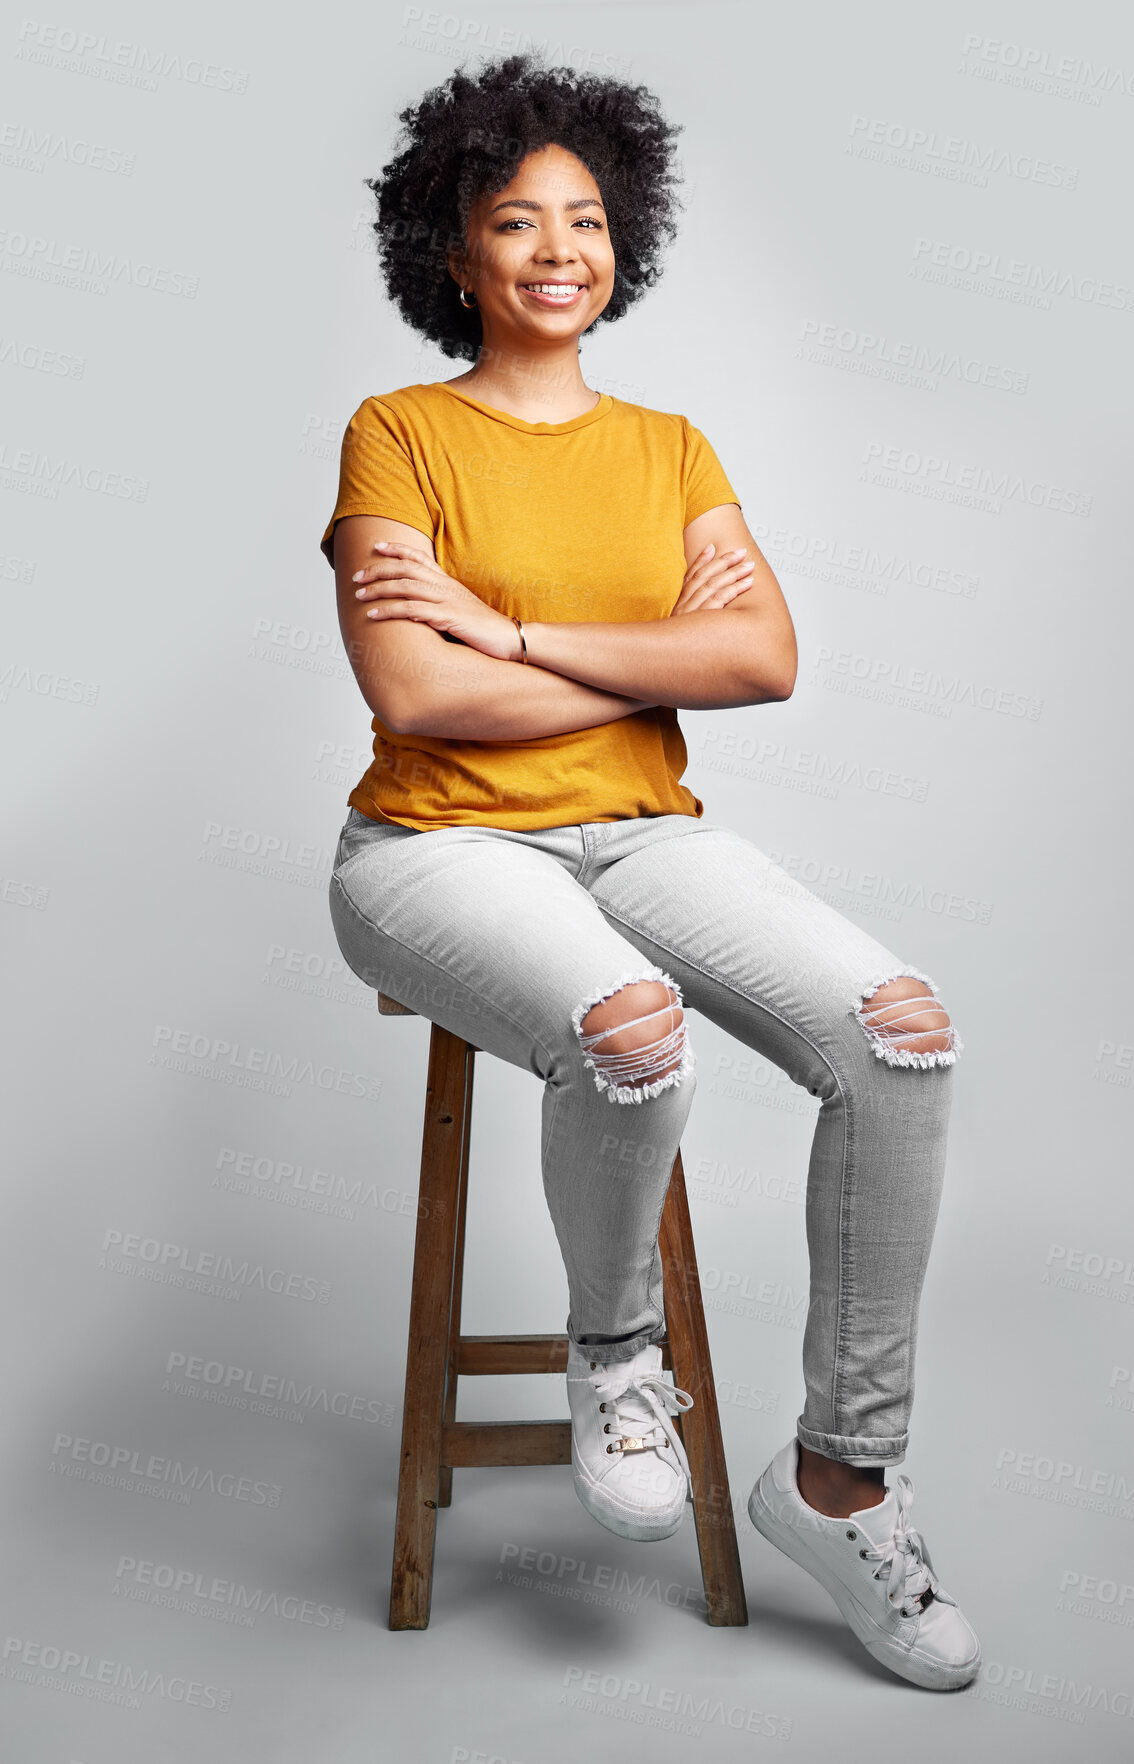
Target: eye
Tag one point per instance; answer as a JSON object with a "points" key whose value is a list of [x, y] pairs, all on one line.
{"points": [[585, 220]]}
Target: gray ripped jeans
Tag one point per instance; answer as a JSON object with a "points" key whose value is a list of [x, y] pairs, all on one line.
{"points": [[522, 942]]}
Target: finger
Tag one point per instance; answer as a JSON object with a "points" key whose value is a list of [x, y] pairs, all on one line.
{"points": [[412, 557], [704, 567], [730, 560], [706, 603], [381, 583], [734, 573], [405, 559], [711, 598], [723, 593], [701, 559], [727, 575], [398, 548], [417, 610], [397, 593], [390, 566]]}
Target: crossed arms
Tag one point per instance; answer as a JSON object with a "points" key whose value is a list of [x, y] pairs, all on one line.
{"points": [[578, 675]]}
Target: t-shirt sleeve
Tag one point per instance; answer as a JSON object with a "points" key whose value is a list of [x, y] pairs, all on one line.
{"points": [[704, 480], [377, 475]]}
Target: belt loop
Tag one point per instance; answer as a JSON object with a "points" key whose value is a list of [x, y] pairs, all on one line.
{"points": [[589, 849]]}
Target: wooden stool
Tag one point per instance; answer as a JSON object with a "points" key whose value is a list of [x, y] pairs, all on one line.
{"points": [[434, 1441]]}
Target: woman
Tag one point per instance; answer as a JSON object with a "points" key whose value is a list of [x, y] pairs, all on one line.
{"points": [[532, 579]]}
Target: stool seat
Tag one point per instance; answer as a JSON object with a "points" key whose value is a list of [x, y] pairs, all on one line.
{"points": [[434, 1442], [390, 1007]]}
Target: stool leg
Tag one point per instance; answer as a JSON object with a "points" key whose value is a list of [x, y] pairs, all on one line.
{"points": [[448, 1099], [701, 1427], [445, 1485]]}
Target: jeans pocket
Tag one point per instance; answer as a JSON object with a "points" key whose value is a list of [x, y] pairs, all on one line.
{"points": [[360, 834]]}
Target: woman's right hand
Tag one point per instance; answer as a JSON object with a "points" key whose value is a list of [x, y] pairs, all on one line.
{"points": [[711, 582]]}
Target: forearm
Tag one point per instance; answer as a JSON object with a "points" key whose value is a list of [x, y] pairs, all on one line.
{"points": [[451, 691], [706, 660]]}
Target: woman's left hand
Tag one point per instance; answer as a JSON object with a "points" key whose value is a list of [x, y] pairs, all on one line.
{"points": [[406, 583]]}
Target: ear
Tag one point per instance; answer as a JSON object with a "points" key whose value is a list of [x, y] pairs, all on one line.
{"points": [[458, 268]]}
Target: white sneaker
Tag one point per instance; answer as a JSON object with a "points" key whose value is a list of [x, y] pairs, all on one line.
{"points": [[878, 1571], [629, 1464]]}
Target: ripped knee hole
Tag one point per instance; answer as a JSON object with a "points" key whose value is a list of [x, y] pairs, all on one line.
{"points": [[634, 1039], [906, 1023]]}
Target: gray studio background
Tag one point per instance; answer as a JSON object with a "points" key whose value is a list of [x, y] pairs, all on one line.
{"points": [[900, 308]]}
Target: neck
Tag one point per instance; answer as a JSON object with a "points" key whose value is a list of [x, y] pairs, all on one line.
{"points": [[537, 385]]}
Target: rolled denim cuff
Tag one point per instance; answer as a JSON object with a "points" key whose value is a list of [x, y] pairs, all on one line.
{"points": [[846, 1448], [608, 1352]]}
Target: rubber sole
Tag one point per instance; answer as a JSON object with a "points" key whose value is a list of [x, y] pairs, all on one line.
{"points": [[875, 1640], [623, 1525]]}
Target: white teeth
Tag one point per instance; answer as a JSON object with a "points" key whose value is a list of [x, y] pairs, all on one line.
{"points": [[561, 290]]}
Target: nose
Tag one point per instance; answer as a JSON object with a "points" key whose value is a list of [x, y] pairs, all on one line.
{"points": [[558, 245]]}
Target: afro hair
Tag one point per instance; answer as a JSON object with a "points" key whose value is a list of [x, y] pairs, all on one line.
{"points": [[466, 138]]}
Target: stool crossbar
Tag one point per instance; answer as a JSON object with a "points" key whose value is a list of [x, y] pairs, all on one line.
{"points": [[434, 1442]]}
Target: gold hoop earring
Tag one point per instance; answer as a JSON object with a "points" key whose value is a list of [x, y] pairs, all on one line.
{"points": [[461, 297]]}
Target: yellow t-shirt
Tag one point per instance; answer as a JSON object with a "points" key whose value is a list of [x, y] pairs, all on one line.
{"points": [[560, 522]]}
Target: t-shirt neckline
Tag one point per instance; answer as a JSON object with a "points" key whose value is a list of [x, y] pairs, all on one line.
{"points": [[601, 409]]}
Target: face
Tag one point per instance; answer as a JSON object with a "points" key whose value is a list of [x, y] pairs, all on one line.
{"points": [[538, 254]]}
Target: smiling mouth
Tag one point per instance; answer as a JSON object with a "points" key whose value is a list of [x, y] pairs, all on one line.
{"points": [[558, 291]]}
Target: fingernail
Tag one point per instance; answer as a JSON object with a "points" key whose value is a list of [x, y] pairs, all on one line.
{"points": [[707, 549], [358, 575], [381, 544], [359, 592]]}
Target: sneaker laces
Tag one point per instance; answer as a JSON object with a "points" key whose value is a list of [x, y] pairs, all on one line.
{"points": [[907, 1559], [645, 1395]]}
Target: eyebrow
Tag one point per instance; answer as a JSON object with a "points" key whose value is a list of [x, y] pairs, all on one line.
{"points": [[576, 202]]}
